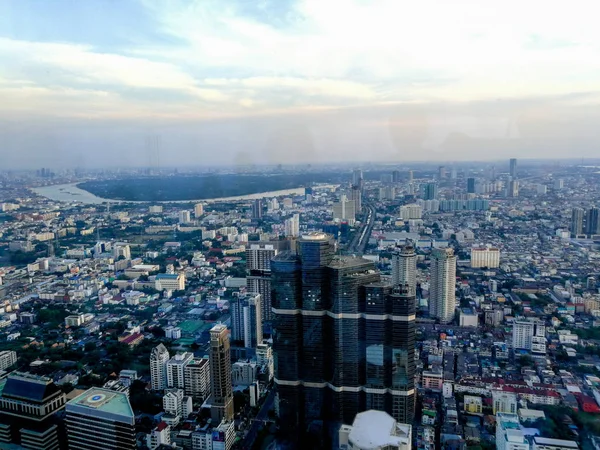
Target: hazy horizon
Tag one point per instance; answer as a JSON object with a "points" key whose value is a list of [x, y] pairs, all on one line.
{"points": [[91, 84]]}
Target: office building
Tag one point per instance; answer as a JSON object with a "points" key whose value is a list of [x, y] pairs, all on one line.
{"points": [[198, 210], [292, 226], [577, 221], [100, 419], [375, 430], [504, 402], [185, 217], [246, 319], [321, 307], [257, 209], [430, 191], [513, 188], [396, 176], [197, 379], [220, 375], [159, 356], [28, 407], [529, 335], [176, 369], [442, 296], [593, 221], [488, 257], [442, 172], [344, 210], [404, 266], [258, 274], [122, 251], [470, 185], [356, 196], [357, 178], [513, 168], [8, 358], [169, 282], [509, 435]]}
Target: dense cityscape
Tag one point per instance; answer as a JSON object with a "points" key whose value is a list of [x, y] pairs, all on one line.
{"points": [[375, 306]]}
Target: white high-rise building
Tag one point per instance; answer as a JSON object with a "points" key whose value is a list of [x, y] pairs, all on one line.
{"points": [[344, 209], [7, 359], [408, 212], [122, 250], [160, 435], [173, 402], [176, 369], [485, 257], [442, 295], [504, 402], [197, 378], [158, 367], [529, 335], [292, 226], [198, 210], [509, 435], [185, 217], [258, 258], [404, 266], [264, 358]]}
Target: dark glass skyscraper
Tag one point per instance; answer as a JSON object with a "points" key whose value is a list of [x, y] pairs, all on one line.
{"points": [[593, 221], [470, 185], [343, 342]]}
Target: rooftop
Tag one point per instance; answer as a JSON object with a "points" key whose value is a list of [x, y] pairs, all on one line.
{"points": [[103, 403], [557, 442], [373, 429]]}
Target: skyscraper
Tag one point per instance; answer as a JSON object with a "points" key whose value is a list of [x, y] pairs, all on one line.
{"points": [[357, 178], [442, 172], [158, 367], [593, 221], [246, 319], [513, 168], [404, 266], [344, 209], [220, 375], [396, 176], [430, 191], [176, 369], [198, 210], [442, 296], [470, 185], [292, 226], [577, 221], [323, 316], [257, 209], [258, 274], [197, 379], [356, 196], [513, 188], [100, 419]]}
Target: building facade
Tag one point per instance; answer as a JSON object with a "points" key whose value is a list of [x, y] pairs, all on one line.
{"points": [[442, 295], [159, 356], [404, 266], [220, 375]]}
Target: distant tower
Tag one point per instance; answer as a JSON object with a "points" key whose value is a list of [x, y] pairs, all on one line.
{"points": [[410, 176], [404, 266], [430, 191], [442, 296], [158, 367], [470, 185], [357, 178], [442, 172], [257, 209], [258, 274], [577, 221], [220, 375], [593, 221], [513, 168], [513, 188]]}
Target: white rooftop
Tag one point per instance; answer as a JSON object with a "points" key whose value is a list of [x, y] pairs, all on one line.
{"points": [[377, 429]]}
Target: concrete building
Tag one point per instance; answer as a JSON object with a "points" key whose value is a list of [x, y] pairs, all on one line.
{"points": [[176, 369], [375, 430], [220, 375], [473, 404], [258, 274], [198, 210], [100, 419], [408, 212], [442, 295], [344, 210], [292, 226], [185, 217], [246, 319], [404, 266], [197, 379], [155, 209], [244, 373], [158, 367], [160, 435], [169, 282], [513, 168], [577, 216], [173, 402], [529, 335], [509, 435], [485, 257], [264, 358], [122, 250], [8, 358], [504, 402], [513, 188], [542, 443]]}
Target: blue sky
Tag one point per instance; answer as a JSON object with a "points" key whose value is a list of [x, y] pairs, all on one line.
{"points": [[91, 80]]}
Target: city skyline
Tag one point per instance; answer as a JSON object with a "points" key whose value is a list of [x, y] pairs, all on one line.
{"points": [[283, 82]]}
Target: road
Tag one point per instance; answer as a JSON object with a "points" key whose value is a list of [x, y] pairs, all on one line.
{"points": [[259, 420], [360, 240]]}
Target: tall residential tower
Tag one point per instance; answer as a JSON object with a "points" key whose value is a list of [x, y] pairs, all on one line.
{"points": [[442, 296]]}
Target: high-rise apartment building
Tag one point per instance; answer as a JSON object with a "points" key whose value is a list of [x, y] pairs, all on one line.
{"points": [[404, 266], [197, 379], [577, 221], [8, 358], [513, 168], [429, 191], [396, 176], [485, 257], [176, 369], [257, 209], [246, 319], [356, 196], [323, 317], [159, 356], [100, 419], [344, 210], [593, 221], [513, 188], [357, 178], [292, 226], [185, 217], [122, 250], [220, 375], [198, 210], [442, 295], [509, 435], [529, 335]]}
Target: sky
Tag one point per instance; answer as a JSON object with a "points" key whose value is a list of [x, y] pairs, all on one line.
{"points": [[189, 83]]}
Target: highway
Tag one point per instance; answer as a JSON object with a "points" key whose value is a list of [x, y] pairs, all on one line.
{"points": [[259, 421], [361, 238]]}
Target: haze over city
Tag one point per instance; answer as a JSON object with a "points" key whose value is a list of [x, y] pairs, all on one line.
{"points": [[295, 81]]}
